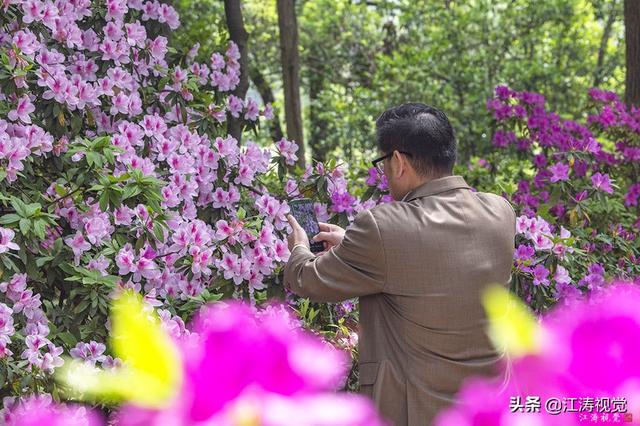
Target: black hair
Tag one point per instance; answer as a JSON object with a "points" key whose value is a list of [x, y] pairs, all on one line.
{"points": [[423, 131]]}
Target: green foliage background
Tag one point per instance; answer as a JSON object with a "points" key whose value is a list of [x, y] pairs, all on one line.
{"points": [[360, 57]]}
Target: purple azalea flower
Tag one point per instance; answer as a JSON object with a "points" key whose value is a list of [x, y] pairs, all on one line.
{"points": [[540, 274], [602, 182], [560, 171]]}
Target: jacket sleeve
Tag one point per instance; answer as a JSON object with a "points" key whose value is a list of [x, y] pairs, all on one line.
{"points": [[355, 267]]}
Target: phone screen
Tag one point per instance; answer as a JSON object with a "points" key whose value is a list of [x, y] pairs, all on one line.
{"points": [[304, 213]]}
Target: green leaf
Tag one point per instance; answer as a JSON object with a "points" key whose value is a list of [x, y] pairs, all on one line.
{"points": [[90, 156], [68, 339], [82, 306], [130, 191], [8, 219], [25, 226], [140, 242], [60, 190], [9, 264], [57, 245], [242, 213], [108, 154], [39, 228], [158, 232], [42, 260], [104, 201], [19, 206]]}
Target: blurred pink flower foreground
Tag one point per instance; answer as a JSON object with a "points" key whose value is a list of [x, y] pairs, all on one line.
{"points": [[243, 370], [240, 369], [590, 355]]}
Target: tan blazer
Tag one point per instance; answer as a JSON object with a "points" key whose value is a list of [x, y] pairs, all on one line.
{"points": [[419, 266]]}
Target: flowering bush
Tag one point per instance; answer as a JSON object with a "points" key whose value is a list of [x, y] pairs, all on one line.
{"points": [[577, 195], [116, 173]]}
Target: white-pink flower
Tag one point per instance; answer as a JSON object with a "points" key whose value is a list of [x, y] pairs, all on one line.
{"points": [[6, 240]]}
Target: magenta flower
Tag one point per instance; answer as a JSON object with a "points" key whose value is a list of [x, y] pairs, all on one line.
{"points": [[602, 182], [603, 332], [524, 252], [632, 195], [33, 10], [342, 202], [268, 112], [372, 177], [502, 139], [589, 350]]}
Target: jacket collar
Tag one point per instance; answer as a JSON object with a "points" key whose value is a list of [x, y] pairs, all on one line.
{"points": [[436, 186]]}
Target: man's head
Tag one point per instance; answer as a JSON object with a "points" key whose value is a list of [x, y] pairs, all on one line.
{"points": [[422, 131]]}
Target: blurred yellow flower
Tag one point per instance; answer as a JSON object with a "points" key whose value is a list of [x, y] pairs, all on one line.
{"points": [[512, 327], [151, 373]]}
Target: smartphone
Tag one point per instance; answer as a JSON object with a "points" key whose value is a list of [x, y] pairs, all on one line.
{"points": [[302, 210]]}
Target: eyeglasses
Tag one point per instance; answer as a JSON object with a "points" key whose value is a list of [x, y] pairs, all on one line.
{"points": [[378, 162]]}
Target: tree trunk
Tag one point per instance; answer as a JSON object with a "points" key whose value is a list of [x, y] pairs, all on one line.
{"points": [[237, 33], [317, 125], [606, 34], [288, 26], [632, 37], [267, 97]]}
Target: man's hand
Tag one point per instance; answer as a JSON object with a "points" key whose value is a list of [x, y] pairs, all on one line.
{"points": [[331, 235], [298, 235]]}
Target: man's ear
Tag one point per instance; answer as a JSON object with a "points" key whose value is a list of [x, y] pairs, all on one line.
{"points": [[402, 165]]}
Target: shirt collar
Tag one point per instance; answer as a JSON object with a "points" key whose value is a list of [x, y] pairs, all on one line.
{"points": [[436, 186]]}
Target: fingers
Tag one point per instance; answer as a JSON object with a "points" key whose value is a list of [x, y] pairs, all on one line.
{"points": [[331, 238], [292, 221], [328, 226], [324, 226], [322, 236]]}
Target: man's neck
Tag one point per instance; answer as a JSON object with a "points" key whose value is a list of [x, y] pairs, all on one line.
{"points": [[419, 181]]}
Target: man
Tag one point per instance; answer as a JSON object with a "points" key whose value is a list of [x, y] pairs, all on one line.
{"points": [[418, 265]]}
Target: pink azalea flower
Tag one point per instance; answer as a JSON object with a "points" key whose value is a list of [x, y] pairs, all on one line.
{"points": [[234, 105], [158, 47], [288, 149], [78, 244], [125, 260], [22, 111], [6, 243], [33, 11], [268, 112], [27, 42], [251, 110]]}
